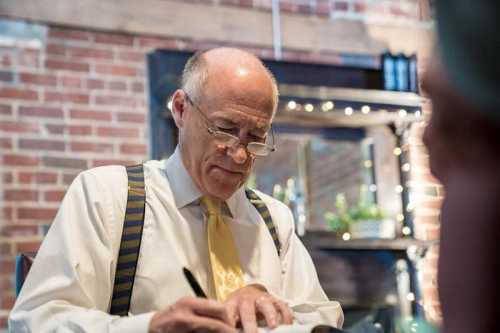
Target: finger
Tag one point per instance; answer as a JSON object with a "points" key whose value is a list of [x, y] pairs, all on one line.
{"points": [[248, 316], [266, 307], [286, 313], [232, 311], [208, 308]]}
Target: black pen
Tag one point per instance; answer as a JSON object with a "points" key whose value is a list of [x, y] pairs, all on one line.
{"points": [[193, 283]]}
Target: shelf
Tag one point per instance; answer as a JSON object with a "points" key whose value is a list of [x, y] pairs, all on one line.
{"points": [[326, 240]]}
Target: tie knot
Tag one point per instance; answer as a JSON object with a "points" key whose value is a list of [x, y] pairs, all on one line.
{"points": [[213, 207]]}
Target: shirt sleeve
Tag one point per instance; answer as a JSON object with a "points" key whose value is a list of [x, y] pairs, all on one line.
{"points": [[300, 283], [69, 286]]}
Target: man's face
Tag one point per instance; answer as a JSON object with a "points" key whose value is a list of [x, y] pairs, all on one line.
{"points": [[218, 170]]}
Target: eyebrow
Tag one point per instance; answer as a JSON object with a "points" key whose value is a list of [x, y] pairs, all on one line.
{"points": [[256, 131]]}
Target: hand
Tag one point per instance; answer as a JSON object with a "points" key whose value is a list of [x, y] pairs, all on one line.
{"points": [[250, 302], [192, 314]]}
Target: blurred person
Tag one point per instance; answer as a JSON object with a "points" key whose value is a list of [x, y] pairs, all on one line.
{"points": [[224, 113], [463, 139]]}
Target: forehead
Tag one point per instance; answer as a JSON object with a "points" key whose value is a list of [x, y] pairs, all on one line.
{"points": [[242, 116]]}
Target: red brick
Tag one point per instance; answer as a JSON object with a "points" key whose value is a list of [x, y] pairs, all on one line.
{"points": [[119, 132], [21, 94], [17, 230], [96, 163], [117, 70], [41, 144], [95, 84], [7, 301], [7, 265], [133, 117], [90, 53], [7, 177], [53, 196], [25, 213], [29, 58], [341, 6], [71, 82], [18, 127], [66, 97], [115, 100], [38, 111], [91, 147], [138, 87], [117, 85], [5, 283], [153, 42], [5, 110], [68, 178], [6, 76], [25, 246], [20, 160], [107, 38], [132, 56], [133, 149], [69, 34], [323, 9], [37, 177], [6, 248], [67, 65], [56, 49], [6, 143], [288, 7], [93, 115], [38, 79], [72, 130], [20, 195], [64, 162], [359, 7]]}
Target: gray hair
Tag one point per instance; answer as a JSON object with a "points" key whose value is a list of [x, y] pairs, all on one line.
{"points": [[195, 76]]}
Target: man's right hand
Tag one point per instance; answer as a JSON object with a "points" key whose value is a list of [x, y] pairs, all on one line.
{"points": [[191, 314]]}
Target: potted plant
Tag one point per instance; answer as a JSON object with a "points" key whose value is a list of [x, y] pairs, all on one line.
{"points": [[364, 220]]}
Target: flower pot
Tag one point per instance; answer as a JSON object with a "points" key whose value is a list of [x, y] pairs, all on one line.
{"points": [[373, 229]]}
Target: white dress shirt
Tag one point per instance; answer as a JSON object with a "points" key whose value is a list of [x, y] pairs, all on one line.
{"points": [[70, 284]]}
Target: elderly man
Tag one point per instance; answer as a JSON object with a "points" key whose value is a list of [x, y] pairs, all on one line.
{"points": [[197, 215]]}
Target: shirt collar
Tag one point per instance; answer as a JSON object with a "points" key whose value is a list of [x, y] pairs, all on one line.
{"points": [[185, 191]]}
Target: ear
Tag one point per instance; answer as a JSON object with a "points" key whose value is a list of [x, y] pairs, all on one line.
{"points": [[179, 108]]}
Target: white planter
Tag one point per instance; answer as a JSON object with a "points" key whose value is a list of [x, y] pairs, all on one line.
{"points": [[373, 229]]}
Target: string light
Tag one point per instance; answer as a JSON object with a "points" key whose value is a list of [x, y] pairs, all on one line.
{"points": [[410, 297], [169, 105], [400, 217], [402, 113], [406, 231], [348, 111], [346, 236], [309, 107], [368, 164], [292, 105], [372, 188], [399, 189], [365, 109], [406, 167], [397, 151], [418, 113], [327, 106]]}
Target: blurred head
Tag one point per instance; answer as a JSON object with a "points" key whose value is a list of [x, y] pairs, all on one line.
{"points": [[231, 90], [464, 87]]}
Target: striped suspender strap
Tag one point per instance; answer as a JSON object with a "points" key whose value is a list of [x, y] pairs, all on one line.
{"points": [[266, 216], [130, 242]]}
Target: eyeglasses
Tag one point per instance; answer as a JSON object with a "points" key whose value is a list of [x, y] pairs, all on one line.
{"points": [[230, 141]]}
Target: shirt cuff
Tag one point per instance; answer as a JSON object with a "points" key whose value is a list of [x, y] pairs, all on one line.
{"points": [[133, 324]]}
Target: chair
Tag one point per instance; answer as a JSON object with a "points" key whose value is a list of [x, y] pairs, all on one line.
{"points": [[23, 265]]}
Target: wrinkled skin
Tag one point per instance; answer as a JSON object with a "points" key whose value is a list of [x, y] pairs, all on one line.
{"points": [[464, 147]]}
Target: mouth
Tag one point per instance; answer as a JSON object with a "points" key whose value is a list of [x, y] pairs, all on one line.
{"points": [[231, 172]]}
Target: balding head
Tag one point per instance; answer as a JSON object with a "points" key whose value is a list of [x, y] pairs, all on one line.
{"points": [[225, 69]]}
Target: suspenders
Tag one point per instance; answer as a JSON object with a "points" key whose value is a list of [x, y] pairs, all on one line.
{"points": [[130, 243]]}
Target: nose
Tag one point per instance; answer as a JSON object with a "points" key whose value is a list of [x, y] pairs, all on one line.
{"points": [[239, 154]]}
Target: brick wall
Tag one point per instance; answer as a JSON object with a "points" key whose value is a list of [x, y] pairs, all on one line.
{"points": [[79, 100]]}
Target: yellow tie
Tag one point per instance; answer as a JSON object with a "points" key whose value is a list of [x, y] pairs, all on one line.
{"points": [[226, 268]]}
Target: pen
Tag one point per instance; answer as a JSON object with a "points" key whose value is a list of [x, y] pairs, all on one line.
{"points": [[193, 283]]}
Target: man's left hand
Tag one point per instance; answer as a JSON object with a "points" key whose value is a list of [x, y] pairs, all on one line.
{"points": [[253, 302]]}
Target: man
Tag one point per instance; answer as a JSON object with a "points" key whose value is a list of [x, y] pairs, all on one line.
{"points": [[224, 113], [463, 138]]}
